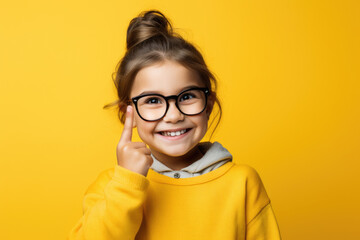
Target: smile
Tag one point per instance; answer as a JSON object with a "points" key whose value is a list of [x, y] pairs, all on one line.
{"points": [[174, 133]]}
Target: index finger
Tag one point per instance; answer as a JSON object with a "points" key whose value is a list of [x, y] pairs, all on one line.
{"points": [[128, 125]]}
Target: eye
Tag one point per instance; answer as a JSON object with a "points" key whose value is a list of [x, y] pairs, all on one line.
{"points": [[187, 96], [153, 100]]}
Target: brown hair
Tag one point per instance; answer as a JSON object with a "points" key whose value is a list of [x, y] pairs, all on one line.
{"points": [[151, 39]]}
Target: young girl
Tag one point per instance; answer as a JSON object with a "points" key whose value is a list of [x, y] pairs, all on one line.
{"points": [[171, 185]]}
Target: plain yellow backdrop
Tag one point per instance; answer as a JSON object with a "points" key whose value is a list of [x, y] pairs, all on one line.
{"points": [[289, 84]]}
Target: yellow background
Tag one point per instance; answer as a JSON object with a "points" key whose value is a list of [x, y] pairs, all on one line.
{"points": [[289, 84]]}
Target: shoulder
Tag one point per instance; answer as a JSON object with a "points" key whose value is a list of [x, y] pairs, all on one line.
{"points": [[254, 187], [246, 173], [244, 168], [256, 197]]}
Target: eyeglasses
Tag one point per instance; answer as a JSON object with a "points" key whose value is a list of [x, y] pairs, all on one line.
{"points": [[153, 107]]}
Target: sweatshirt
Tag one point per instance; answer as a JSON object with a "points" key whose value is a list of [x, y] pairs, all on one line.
{"points": [[227, 203]]}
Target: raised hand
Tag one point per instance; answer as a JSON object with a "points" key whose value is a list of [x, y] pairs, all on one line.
{"points": [[134, 156]]}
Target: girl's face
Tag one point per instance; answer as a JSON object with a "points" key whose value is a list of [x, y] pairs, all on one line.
{"points": [[170, 78]]}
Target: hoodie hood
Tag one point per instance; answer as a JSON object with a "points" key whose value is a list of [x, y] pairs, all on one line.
{"points": [[214, 156]]}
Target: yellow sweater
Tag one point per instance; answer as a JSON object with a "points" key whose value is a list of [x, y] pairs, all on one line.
{"points": [[227, 203]]}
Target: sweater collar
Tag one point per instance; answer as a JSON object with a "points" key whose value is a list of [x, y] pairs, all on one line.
{"points": [[214, 155]]}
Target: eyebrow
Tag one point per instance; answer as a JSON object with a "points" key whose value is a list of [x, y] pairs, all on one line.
{"points": [[157, 92]]}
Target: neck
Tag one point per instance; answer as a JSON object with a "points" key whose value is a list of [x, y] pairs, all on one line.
{"points": [[178, 162]]}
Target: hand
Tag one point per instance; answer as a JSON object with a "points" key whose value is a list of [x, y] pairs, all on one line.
{"points": [[134, 156]]}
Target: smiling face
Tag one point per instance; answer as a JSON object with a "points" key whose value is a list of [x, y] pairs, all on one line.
{"points": [[170, 78]]}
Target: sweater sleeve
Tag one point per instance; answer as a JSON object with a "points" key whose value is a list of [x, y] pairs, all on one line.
{"points": [[112, 206], [261, 223], [264, 225]]}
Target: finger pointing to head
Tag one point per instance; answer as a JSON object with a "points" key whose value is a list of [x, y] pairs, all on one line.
{"points": [[128, 125]]}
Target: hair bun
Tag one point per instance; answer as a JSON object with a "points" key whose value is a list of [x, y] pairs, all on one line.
{"points": [[147, 25]]}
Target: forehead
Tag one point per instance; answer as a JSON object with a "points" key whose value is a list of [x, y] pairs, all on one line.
{"points": [[166, 78]]}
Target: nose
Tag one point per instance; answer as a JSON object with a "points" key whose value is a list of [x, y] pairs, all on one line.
{"points": [[173, 115]]}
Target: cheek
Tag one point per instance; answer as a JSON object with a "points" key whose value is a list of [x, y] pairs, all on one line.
{"points": [[144, 129], [202, 122], [205, 124]]}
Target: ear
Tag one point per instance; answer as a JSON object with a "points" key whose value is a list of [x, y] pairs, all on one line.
{"points": [[210, 104]]}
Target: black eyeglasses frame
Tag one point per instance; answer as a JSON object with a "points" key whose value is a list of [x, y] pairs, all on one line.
{"points": [[167, 98]]}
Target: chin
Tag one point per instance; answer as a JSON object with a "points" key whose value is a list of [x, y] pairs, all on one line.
{"points": [[173, 151]]}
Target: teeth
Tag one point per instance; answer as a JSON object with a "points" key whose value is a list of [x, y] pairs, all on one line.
{"points": [[173, 134]]}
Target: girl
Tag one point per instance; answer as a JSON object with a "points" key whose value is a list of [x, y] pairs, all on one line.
{"points": [[171, 186]]}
